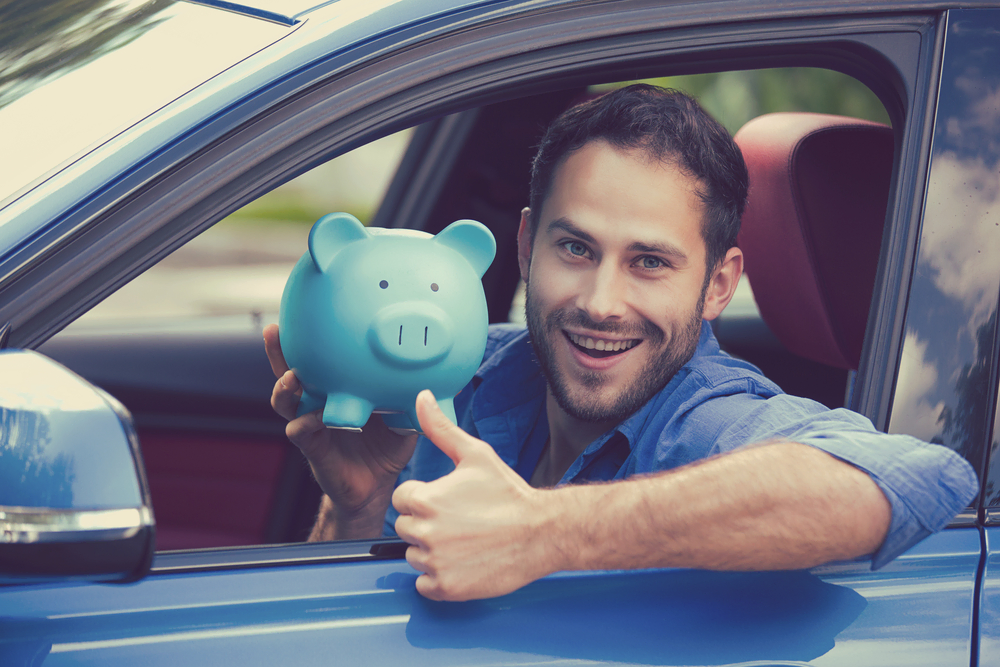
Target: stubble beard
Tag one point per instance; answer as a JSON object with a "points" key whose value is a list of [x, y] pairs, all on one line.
{"points": [[658, 371]]}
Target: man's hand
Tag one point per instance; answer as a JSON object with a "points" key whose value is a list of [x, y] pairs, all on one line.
{"points": [[357, 471], [480, 530]]}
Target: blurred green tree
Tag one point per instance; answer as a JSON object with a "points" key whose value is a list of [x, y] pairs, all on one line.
{"points": [[737, 96]]}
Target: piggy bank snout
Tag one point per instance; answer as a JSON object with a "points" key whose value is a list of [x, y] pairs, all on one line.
{"points": [[411, 334]]}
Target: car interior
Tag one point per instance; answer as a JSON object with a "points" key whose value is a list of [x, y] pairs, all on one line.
{"points": [[222, 472]]}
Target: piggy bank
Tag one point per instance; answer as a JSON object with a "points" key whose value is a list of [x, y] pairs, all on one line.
{"points": [[370, 317]]}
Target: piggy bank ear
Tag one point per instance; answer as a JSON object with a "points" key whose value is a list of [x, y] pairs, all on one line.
{"points": [[473, 240], [331, 234]]}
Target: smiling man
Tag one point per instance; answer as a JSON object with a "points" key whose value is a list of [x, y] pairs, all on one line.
{"points": [[627, 251]]}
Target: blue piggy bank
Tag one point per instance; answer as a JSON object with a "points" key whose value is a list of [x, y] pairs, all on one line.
{"points": [[370, 317]]}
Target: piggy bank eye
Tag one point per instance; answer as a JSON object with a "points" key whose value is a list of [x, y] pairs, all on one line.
{"points": [[434, 287], [384, 284]]}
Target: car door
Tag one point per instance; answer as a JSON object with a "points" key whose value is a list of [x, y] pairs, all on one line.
{"points": [[354, 601]]}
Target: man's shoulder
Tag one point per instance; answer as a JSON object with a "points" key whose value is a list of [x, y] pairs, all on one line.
{"points": [[718, 373]]}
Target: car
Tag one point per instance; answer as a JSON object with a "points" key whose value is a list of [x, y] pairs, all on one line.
{"points": [[150, 506]]}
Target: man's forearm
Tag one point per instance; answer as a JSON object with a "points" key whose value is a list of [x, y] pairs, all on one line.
{"points": [[775, 506]]}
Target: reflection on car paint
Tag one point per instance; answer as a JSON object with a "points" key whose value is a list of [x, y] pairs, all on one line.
{"points": [[943, 387]]}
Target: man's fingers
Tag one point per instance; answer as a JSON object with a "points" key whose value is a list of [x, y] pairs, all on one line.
{"points": [[285, 397], [448, 437], [402, 497], [272, 346], [428, 587], [407, 529], [417, 558], [299, 430]]}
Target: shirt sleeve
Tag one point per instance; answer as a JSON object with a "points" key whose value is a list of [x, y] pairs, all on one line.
{"points": [[926, 485]]}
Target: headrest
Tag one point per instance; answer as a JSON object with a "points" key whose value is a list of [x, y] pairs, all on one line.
{"points": [[812, 229]]}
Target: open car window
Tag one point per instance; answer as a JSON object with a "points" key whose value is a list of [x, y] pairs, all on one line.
{"points": [[180, 345]]}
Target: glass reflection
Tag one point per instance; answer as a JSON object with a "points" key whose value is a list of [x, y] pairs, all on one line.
{"points": [[943, 386], [991, 491], [48, 38], [74, 74], [26, 468], [61, 444]]}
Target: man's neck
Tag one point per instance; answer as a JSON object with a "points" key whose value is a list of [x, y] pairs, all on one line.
{"points": [[568, 438]]}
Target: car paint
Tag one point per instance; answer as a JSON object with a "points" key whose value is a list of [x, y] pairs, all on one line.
{"points": [[265, 605], [989, 602], [916, 611]]}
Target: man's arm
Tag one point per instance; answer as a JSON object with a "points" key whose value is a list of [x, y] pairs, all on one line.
{"points": [[482, 531]]}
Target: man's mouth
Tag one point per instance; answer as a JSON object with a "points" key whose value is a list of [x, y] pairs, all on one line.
{"points": [[601, 347]]}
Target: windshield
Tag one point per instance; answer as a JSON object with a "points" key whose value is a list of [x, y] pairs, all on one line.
{"points": [[74, 74]]}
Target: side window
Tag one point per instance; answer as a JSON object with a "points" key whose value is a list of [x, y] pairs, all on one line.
{"points": [[181, 347]]}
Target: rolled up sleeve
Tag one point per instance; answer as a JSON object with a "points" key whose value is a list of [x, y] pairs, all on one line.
{"points": [[926, 484]]}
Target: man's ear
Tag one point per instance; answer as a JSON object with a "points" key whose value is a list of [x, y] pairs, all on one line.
{"points": [[722, 284], [524, 243]]}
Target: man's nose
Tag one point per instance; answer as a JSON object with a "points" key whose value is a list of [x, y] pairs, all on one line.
{"points": [[603, 295]]}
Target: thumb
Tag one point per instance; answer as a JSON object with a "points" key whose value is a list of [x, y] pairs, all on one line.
{"points": [[448, 437]]}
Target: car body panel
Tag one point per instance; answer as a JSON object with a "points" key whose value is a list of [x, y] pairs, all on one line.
{"points": [[989, 602], [916, 611]]}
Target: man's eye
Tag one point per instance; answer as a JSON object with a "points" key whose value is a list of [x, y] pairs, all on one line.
{"points": [[651, 263], [575, 248]]}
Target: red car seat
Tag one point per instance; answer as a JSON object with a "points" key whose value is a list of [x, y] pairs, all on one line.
{"points": [[813, 226]]}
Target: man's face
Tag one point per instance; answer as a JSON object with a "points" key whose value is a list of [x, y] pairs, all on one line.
{"points": [[616, 280]]}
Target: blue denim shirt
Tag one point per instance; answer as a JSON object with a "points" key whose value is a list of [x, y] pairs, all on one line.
{"points": [[714, 404]]}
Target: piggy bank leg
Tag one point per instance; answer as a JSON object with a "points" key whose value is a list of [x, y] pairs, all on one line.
{"points": [[346, 411], [447, 406]]}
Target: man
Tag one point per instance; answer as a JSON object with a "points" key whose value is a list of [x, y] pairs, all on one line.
{"points": [[627, 250]]}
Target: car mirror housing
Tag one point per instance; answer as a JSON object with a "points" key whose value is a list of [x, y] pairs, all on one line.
{"points": [[74, 501]]}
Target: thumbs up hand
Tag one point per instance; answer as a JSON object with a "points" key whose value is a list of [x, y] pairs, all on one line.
{"points": [[478, 532]]}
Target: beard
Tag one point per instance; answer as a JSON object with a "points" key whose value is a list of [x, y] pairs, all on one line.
{"points": [[654, 376]]}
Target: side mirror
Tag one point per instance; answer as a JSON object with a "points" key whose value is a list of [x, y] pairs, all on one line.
{"points": [[74, 501]]}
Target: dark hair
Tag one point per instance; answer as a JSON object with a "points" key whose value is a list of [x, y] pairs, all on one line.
{"points": [[667, 125]]}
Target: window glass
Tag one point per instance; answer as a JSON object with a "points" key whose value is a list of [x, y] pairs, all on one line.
{"points": [[118, 60]]}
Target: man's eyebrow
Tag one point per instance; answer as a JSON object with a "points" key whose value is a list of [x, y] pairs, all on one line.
{"points": [[662, 248], [667, 249], [567, 226]]}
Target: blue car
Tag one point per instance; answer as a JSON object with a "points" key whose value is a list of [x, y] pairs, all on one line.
{"points": [[151, 509]]}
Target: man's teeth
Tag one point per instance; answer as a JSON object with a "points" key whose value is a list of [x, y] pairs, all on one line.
{"points": [[601, 344]]}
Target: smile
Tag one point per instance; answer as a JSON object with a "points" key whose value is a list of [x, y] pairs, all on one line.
{"points": [[601, 347]]}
